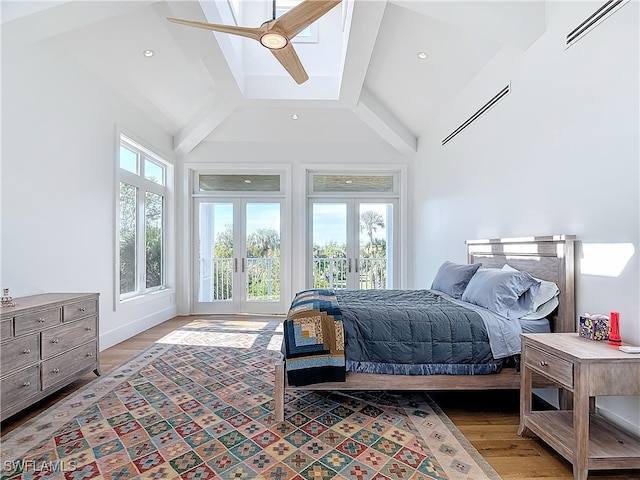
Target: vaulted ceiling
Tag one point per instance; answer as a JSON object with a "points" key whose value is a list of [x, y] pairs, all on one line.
{"points": [[366, 80]]}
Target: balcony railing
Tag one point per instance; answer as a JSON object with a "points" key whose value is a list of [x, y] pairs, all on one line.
{"points": [[263, 277], [332, 273]]}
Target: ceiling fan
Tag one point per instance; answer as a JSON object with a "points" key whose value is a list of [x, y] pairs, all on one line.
{"points": [[276, 34]]}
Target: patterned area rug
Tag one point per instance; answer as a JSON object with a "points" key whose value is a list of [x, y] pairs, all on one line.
{"points": [[198, 404]]}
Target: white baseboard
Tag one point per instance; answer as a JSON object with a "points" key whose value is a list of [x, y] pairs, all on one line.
{"points": [[124, 332], [619, 421]]}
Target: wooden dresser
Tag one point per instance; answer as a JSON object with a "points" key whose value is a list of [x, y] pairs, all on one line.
{"points": [[46, 342]]}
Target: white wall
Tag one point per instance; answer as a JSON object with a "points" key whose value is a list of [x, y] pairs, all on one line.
{"points": [[58, 185], [559, 155]]}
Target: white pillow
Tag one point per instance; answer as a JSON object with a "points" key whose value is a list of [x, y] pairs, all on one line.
{"points": [[545, 301]]}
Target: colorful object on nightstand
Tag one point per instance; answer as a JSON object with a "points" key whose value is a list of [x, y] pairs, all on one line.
{"points": [[594, 327], [614, 336]]}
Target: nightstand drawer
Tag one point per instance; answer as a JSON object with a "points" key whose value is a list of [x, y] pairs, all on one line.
{"points": [[550, 366]]}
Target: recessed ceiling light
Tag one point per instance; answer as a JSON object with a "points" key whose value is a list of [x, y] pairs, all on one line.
{"points": [[422, 55], [294, 117], [148, 53]]}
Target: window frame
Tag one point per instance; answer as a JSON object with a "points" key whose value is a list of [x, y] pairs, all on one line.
{"points": [[143, 186]]}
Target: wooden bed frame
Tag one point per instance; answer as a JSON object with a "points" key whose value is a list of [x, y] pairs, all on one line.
{"points": [[548, 258]]}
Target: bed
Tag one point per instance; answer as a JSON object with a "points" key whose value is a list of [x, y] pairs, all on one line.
{"points": [[547, 259]]}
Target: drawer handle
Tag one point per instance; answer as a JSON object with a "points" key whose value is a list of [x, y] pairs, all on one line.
{"points": [[41, 320], [90, 354], [56, 370], [88, 329], [543, 363], [26, 384], [26, 351], [82, 309], [55, 340]]}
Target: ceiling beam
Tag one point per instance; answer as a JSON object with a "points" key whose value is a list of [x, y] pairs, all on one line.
{"points": [[365, 23], [374, 114], [200, 126], [202, 48]]}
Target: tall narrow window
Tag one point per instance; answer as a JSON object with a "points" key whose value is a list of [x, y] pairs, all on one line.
{"points": [[142, 219]]}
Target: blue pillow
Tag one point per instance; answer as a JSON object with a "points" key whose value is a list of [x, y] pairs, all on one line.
{"points": [[452, 278], [510, 294]]}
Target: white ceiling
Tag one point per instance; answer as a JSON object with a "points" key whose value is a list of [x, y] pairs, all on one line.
{"points": [[366, 82]]}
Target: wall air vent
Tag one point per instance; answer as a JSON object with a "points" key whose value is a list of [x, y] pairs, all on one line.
{"points": [[593, 20], [499, 96]]}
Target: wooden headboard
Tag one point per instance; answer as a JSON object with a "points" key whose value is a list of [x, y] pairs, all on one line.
{"points": [[549, 258]]}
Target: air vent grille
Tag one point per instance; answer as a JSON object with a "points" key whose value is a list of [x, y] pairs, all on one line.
{"points": [[499, 96], [593, 20]]}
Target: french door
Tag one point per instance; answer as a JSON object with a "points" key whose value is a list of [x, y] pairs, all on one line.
{"points": [[238, 256], [352, 243]]}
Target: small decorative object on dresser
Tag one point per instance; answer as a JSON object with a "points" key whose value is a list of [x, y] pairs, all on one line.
{"points": [[6, 300], [46, 342]]}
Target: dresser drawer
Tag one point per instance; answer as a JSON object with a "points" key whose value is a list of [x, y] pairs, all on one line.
{"points": [[20, 386], [67, 336], [6, 330], [34, 322], [20, 352], [549, 365], [58, 368], [79, 310]]}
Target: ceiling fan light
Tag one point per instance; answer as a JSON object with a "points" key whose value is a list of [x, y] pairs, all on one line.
{"points": [[274, 40]]}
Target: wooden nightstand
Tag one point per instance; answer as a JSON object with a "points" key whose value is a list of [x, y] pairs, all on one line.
{"points": [[587, 369]]}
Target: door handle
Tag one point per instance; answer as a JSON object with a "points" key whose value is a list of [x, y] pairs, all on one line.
{"points": [[235, 265], [357, 267], [242, 264], [349, 265]]}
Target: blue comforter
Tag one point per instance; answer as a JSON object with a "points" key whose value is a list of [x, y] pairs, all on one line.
{"points": [[413, 332]]}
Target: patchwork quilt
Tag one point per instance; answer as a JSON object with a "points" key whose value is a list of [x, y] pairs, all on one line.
{"points": [[314, 339]]}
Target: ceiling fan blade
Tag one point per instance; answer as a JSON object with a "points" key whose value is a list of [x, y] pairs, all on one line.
{"points": [[301, 16], [288, 57], [254, 33]]}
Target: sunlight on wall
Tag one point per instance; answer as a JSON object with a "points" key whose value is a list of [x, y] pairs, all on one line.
{"points": [[605, 259]]}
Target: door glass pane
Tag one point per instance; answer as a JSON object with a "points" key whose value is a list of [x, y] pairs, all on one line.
{"points": [[215, 252], [154, 206], [262, 264], [374, 246], [128, 238], [329, 245]]}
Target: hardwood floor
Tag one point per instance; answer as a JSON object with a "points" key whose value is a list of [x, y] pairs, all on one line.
{"points": [[488, 419]]}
